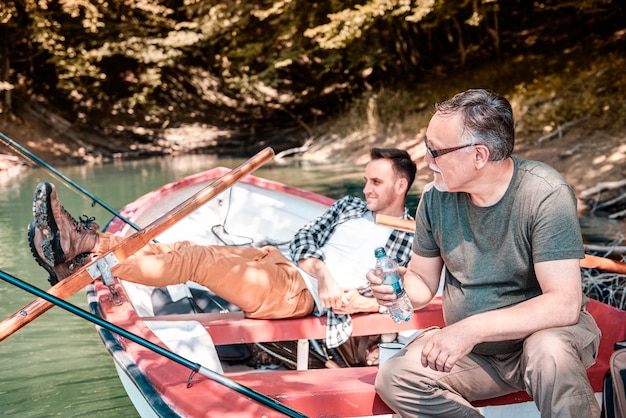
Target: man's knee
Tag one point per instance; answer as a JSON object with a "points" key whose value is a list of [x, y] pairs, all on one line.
{"points": [[550, 353], [555, 376], [383, 381]]}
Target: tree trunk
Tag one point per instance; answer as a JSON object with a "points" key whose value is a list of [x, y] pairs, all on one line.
{"points": [[4, 78]]}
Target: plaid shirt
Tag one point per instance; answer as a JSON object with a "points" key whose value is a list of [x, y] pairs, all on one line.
{"points": [[309, 240]]}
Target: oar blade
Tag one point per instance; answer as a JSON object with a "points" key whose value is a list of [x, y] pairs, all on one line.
{"points": [[63, 290]]}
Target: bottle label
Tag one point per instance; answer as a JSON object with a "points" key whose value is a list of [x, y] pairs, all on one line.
{"points": [[393, 279], [397, 288]]}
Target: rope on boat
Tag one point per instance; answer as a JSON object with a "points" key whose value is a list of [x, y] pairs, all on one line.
{"points": [[225, 237], [276, 355]]}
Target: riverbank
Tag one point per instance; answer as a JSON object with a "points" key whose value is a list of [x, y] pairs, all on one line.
{"points": [[585, 157], [572, 117]]}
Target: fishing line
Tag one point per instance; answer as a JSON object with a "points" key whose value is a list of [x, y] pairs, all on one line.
{"points": [[34, 158]]}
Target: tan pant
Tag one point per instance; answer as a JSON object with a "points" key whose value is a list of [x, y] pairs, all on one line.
{"points": [[261, 281], [551, 367]]}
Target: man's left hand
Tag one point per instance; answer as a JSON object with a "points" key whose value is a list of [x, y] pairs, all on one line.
{"points": [[353, 302], [445, 347]]}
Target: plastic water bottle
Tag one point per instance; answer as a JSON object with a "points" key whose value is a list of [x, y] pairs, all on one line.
{"points": [[402, 309]]}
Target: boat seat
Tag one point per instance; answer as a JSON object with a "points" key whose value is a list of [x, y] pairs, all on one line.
{"points": [[234, 328], [356, 384]]}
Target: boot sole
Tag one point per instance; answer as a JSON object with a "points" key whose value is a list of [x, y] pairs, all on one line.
{"points": [[44, 220], [52, 279]]}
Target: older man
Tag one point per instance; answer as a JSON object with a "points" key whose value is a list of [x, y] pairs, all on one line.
{"points": [[506, 233]]}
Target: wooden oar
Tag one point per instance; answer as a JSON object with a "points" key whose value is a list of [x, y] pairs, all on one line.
{"points": [[590, 261], [81, 278], [603, 263], [406, 225]]}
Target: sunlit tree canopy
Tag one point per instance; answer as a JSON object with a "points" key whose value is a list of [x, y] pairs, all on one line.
{"points": [[240, 61]]}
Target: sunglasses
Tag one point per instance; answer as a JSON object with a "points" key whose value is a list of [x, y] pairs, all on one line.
{"points": [[439, 152]]}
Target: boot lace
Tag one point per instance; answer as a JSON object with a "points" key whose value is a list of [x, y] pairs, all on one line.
{"points": [[86, 222], [83, 223]]}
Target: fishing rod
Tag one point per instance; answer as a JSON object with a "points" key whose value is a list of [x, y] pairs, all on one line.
{"points": [[32, 157], [195, 367]]}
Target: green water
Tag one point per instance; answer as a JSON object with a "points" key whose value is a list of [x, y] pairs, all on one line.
{"points": [[57, 365]]}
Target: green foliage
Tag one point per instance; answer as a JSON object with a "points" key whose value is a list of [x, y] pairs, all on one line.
{"points": [[250, 60], [350, 24]]}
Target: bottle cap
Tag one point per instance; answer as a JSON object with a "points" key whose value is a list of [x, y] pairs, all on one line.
{"points": [[379, 252]]}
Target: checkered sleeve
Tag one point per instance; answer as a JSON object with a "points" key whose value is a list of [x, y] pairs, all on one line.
{"points": [[399, 244], [338, 329], [309, 240]]}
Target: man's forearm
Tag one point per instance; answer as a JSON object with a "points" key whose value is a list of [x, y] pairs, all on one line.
{"points": [[518, 321], [314, 266]]}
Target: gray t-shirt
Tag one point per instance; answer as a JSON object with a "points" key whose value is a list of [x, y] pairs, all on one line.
{"points": [[489, 252]]}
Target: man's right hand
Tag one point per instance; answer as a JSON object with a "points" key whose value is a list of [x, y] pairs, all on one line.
{"points": [[330, 293], [383, 293]]}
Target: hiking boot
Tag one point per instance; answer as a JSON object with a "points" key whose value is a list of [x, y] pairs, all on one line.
{"points": [[56, 272], [63, 238]]}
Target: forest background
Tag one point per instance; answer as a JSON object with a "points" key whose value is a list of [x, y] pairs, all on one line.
{"points": [[96, 80]]}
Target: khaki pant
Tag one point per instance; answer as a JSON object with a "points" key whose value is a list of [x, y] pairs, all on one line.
{"points": [[551, 367], [261, 281]]}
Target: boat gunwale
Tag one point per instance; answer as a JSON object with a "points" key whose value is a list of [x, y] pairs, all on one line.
{"points": [[134, 208]]}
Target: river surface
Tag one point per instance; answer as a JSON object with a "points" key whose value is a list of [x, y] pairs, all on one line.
{"points": [[57, 365]]}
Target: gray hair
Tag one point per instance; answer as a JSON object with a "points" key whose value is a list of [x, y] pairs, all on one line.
{"points": [[487, 120]]}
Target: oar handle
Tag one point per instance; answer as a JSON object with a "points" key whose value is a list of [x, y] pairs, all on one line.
{"points": [[590, 261], [81, 278], [603, 263], [406, 225]]}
